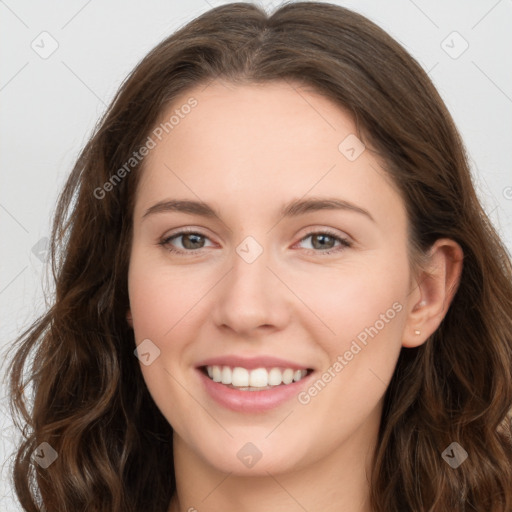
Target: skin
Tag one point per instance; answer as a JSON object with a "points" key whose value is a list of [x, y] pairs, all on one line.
{"points": [[247, 150]]}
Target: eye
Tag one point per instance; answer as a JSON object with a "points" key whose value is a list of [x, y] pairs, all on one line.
{"points": [[192, 241], [325, 241]]}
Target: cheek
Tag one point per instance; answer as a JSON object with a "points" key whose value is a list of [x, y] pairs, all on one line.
{"points": [[342, 302], [161, 297], [161, 304], [362, 312]]}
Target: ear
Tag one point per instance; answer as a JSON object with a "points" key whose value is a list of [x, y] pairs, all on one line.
{"points": [[129, 318], [433, 291]]}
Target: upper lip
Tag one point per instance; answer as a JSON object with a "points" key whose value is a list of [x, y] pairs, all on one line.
{"points": [[251, 362]]}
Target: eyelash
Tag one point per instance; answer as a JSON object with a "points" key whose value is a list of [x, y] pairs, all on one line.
{"points": [[345, 243]]}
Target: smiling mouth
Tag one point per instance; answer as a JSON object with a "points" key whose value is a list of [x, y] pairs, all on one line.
{"points": [[258, 379]]}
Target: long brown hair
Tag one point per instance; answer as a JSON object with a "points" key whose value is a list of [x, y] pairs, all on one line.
{"points": [[90, 402]]}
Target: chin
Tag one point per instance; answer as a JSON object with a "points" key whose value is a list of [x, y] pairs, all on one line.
{"points": [[252, 458]]}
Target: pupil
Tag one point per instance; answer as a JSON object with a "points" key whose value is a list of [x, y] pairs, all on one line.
{"points": [[322, 244], [186, 241]]}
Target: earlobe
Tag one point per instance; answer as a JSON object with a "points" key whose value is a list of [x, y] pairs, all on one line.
{"points": [[437, 285], [129, 318]]}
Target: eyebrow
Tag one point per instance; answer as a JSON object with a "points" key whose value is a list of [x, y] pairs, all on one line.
{"points": [[293, 209]]}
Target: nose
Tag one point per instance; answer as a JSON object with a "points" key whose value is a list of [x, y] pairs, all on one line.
{"points": [[251, 299]]}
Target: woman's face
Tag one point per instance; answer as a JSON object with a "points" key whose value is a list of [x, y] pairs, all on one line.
{"points": [[317, 286]]}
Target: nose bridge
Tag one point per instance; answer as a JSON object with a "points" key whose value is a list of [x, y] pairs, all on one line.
{"points": [[250, 296], [249, 249], [250, 275]]}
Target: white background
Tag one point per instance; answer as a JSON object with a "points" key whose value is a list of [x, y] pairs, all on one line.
{"points": [[50, 106]]}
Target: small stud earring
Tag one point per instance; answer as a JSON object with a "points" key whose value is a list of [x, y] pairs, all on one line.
{"points": [[417, 332]]}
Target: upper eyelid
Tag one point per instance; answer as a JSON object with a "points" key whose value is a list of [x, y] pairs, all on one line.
{"points": [[167, 239], [185, 231]]}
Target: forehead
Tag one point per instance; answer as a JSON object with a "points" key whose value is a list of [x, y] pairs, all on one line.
{"points": [[257, 143], [261, 111]]}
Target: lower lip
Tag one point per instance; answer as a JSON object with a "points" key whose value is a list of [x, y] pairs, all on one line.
{"points": [[252, 401]]}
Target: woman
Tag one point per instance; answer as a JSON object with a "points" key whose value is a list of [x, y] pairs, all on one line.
{"points": [[340, 338]]}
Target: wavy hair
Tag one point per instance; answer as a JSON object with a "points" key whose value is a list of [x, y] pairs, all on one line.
{"points": [[90, 402]]}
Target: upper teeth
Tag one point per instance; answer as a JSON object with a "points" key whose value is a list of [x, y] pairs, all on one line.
{"points": [[257, 378]]}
